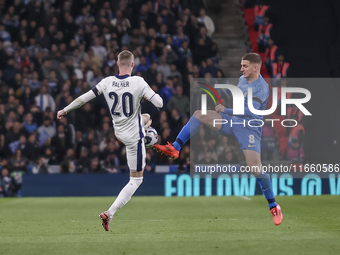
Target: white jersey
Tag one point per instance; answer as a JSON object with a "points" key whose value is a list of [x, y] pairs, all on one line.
{"points": [[123, 95]]}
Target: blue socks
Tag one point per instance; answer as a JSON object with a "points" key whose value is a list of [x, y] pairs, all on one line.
{"points": [[187, 131], [266, 186]]}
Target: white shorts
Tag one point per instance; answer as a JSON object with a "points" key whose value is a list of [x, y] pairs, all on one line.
{"points": [[135, 150], [136, 155]]}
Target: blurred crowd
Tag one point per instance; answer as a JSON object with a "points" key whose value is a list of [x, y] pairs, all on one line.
{"points": [[52, 51], [289, 139]]}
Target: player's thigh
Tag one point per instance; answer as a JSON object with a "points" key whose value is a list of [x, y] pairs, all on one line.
{"points": [[212, 119], [249, 139], [136, 156]]}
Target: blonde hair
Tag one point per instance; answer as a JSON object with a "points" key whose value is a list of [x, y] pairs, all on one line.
{"points": [[125, 58]]}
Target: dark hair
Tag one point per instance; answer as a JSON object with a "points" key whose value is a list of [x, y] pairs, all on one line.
{"points": [[253, 58]]}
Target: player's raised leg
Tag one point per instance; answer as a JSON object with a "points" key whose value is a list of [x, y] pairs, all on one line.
{"points": [[135, 154], [190, 129], [253, 159]]}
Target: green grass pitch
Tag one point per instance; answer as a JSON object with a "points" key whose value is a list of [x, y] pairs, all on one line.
{"points": [[160, 225]]}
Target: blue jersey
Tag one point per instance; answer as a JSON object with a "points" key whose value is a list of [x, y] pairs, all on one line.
{"points": [[260, 93]]}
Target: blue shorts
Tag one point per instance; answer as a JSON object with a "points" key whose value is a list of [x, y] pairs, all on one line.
{"points": [[248, 137]]}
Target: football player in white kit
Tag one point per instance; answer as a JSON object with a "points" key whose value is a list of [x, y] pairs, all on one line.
{"points": [[123, 94]]}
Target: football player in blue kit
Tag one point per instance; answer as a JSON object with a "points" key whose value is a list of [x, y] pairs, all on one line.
{"points": [[249, 137]]}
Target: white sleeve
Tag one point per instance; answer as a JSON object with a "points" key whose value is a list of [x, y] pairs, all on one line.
{"points": [[156, 100], [151, 95], [84, 98], [80, 101]]}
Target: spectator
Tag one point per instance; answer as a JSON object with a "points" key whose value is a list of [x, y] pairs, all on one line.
{"points": [[184, 52], [41, 166], [42, 39], [68, 163], [175, 73], [9, 72], [264, 35], [121, 21], [270, 56], [6, 186], [268, 141], [163, 34], [53, 83], [111, 163], [209, 67], [44, 100], [151, 74], [171, 56], [179, 102], [259, 11], [84, 119], [203, 46], [295, 151], [175, 124], [94, 152], [22, 144], [61, 142], [142, 67], [207, 159], [167, 91], [227, 158], [47, 128], [92, 60], [98, 49], [27, 98], [176, 8], [280, 68], [85, 18], [18, 163], [164, 68], [95, 166], [34, 83], [68, 129], [12, 135], [83, 163], [12, 104], [207, 21], [32, 150], [4, 34], [46, 68], [168, 19]]}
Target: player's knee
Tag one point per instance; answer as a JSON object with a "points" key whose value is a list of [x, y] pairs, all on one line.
{"points": [[136, 181], [198, 114], [253, 163], [255, 166]]}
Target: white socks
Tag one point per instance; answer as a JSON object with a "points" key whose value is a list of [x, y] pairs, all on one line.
{"points": [[125, 194]]}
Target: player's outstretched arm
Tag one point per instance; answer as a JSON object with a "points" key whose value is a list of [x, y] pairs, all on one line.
{"points": [[78, 102], [149, 94], [156, 100]]}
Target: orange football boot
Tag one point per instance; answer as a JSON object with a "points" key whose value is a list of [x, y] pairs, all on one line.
{"points": [[168, 150], [104, 216], [277, 215]]}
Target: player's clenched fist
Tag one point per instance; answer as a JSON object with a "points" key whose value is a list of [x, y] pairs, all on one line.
{"points": [[60, 114], [219, 108]]}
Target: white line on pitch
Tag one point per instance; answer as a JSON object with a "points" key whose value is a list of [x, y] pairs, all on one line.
{"points": [[246, 198]]}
